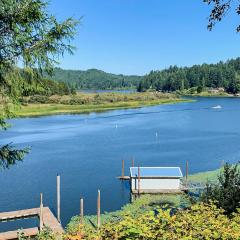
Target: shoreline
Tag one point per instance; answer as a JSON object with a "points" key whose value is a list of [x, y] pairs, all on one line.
{"points": [[210, 95], [148, 202], [38, 110], [49, 109]]}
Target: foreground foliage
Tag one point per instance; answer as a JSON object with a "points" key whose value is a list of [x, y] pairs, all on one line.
{"points": [[29, 35], [45, 234], [220, 8], [201, 221]]}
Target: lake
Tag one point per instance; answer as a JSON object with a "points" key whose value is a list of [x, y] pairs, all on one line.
{"points": [[87, 150]]}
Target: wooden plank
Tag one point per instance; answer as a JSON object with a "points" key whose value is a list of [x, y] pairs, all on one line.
{"points": [[50, 221], [124, 177], [4, 216], [13, 234]]}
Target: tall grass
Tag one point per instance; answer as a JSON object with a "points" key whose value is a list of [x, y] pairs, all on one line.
{"points": [[86, 103]]}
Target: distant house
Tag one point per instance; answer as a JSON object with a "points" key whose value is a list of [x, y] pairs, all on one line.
{"points": [[216, 90], [155, 179]]}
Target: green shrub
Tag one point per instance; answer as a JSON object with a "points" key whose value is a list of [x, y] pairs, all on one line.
{"points": [[201, 221]]}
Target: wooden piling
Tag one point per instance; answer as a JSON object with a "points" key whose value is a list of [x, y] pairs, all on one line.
{"points": [[138, 180], [222, 163], [122, 168], [98, 210], [41, 212], [58, 199], [186, 172], [132, 162], [81, 210]]}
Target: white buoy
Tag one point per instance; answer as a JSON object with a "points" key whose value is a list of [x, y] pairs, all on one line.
{"points": [[116, 126]]}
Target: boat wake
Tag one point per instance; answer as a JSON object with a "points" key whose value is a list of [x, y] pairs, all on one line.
{"points": [[217, 107]]}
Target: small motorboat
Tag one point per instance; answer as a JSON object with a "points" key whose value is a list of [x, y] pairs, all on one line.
{"points": [[217, 107]]}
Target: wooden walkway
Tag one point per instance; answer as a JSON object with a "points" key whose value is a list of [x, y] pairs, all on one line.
{"points": [[49, 220]]}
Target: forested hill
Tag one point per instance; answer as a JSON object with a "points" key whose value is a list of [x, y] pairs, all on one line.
{"points": [[221, 75], [95, 79]]}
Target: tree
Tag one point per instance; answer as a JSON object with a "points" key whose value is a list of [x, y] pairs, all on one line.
{"points": [[34, 37], [227, 192], [224, 75], [220, 10]]}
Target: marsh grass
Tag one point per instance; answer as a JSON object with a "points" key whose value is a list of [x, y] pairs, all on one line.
{"points": [[86, 103]]}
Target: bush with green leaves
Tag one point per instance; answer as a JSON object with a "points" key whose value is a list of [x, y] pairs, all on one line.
{"points": [[200, 221]]}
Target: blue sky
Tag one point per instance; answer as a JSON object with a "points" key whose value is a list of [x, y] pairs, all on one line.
{"points": [[136, 36]]}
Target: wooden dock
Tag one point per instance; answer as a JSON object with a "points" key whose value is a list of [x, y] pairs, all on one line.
{"points": [[49, 220], [157, 191], [124, 178], [183, 189], [30, 232]]}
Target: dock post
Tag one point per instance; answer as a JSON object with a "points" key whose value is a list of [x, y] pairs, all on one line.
{"points": [[186, 173], [58, 199], [123, 169], [132, 162], [41, 212], [138, 180], [222, 163], [81, 210], [98, 210]]}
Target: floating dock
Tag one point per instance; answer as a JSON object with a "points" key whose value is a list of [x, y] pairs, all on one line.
{"points": [[48, 220], [158, 191]]}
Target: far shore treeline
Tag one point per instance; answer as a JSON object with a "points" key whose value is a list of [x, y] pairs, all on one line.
{"points": [[224, 75], [195, 79]]}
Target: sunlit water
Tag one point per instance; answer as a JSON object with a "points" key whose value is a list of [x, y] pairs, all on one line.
{"points": [[86, 150]]}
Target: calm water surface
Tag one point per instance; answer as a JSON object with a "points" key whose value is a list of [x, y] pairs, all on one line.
{"points": [[87, 151]]}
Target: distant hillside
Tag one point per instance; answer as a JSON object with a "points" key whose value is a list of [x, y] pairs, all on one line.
{"points": [[95, 79]]}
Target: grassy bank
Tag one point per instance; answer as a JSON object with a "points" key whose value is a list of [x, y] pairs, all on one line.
{"points": [[204, 177], [86, 103]]}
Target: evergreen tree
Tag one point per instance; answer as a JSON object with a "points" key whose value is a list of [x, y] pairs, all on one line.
{"points": [[220, 75], [227, 192], [30, 34]]}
